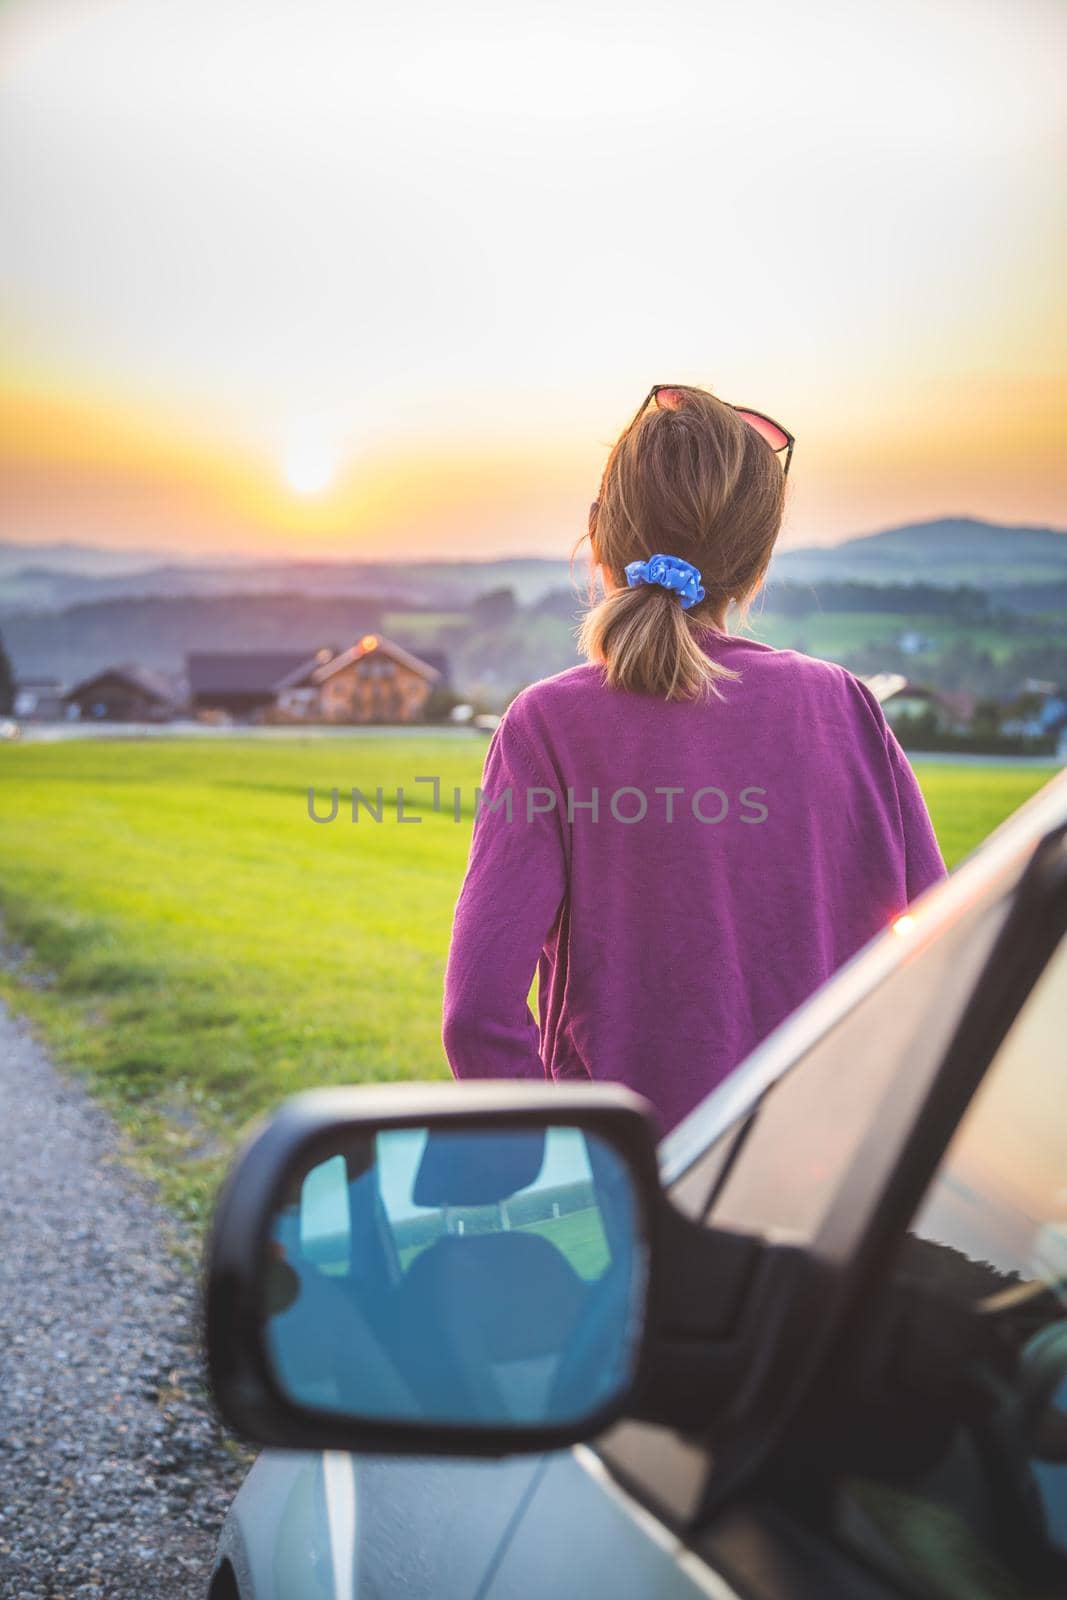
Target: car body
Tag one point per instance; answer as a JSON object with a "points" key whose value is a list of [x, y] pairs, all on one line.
{"points": [[895, 1424]]}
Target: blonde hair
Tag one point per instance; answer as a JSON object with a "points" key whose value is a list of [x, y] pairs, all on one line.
{"points": [[698, 482]]}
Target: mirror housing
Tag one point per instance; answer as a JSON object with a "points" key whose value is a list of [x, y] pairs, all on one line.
{"points": [[601, 1303]]}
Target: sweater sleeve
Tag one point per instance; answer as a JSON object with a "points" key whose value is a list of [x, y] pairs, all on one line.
{"points": [[922, 854], [923, 862], [510, 900]]}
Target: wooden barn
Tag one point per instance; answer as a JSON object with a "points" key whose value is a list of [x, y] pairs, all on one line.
{"points": [[374, 681]]}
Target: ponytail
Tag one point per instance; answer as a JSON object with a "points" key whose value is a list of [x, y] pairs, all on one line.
{"points": [[648, 645]]}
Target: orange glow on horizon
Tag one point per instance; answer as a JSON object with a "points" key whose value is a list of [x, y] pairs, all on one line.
{"points": [[80, 465], [81, 469]]}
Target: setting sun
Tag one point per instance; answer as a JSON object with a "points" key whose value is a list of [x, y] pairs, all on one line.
{"points": [[308, 465]]}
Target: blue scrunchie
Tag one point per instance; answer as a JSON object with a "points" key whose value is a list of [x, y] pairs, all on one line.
{"points": [[670, 572]]}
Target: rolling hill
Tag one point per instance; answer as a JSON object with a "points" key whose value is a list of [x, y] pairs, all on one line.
{"points": [[947, 550]]}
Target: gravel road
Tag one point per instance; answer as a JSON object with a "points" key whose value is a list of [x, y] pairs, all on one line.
{"points": [[113, 1476]]}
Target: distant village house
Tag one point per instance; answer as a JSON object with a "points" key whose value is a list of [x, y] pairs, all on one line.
{"points": [[949, 712], [1029, 720], [127, 693], [374, 681]]}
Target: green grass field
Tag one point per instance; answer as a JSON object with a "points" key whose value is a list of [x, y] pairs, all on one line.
{"points": [[834, 635], [200, 949], [421, 627]]}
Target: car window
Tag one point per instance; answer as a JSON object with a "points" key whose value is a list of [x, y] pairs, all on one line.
{"points": [[987, 1514], [1000, 1195], [812, 1122]]}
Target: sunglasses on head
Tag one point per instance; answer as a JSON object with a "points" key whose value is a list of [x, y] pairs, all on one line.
{"points": [[671, 397]]}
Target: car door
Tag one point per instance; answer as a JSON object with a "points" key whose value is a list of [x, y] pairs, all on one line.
{"points": [[336, 1526]]}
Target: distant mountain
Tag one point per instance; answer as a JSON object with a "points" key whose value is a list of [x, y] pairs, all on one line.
{"points": [[447, 584], [947, 551]]}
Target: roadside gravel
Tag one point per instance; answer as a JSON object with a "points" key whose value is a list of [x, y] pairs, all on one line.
{"points": [[113, 1474]]}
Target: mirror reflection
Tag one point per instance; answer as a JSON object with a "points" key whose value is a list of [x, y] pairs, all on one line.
{"points": [[490, 1276]]}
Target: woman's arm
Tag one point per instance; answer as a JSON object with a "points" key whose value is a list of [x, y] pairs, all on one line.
{"points": [[922, 853], [511, 897], [923, 862]]}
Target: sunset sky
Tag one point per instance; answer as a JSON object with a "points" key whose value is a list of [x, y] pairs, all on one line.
{"points": [[334, 279]]}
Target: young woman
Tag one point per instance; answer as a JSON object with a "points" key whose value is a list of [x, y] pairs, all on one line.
{"points": [[691, 833]]}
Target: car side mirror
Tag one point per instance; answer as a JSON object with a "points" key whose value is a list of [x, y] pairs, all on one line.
{"points": [[433, 1268]]}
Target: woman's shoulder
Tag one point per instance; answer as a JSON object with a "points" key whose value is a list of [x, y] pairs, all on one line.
{"points": [[582, 682], [543, 711], [563, 692], [810, 674]]}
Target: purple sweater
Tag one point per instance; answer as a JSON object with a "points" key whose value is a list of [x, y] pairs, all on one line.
{"points": [[681, 875]]}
